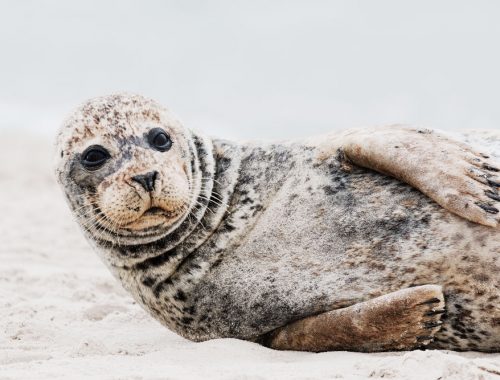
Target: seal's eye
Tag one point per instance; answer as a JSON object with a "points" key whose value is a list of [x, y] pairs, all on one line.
{"points": [[94, 157], [159, 139]]}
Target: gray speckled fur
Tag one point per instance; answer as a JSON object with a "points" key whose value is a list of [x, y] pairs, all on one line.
{"points": [[300, 237], [286, 235]]}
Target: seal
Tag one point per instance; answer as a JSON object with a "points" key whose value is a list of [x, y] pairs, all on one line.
{"points": [[352, 241]]}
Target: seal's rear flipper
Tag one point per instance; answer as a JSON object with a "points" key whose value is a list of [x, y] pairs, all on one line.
{"points": [[402, 320]]}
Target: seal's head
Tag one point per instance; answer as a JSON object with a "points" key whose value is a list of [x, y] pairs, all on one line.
{"points": [[125, 165]]}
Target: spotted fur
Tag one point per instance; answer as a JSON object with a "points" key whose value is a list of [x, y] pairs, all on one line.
{"points": [[274, 233]]}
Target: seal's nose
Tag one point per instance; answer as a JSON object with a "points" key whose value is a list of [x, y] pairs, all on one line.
{"points": [[147, 180]]}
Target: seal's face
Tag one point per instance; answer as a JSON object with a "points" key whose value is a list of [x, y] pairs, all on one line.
{"points": [[124, 165]]}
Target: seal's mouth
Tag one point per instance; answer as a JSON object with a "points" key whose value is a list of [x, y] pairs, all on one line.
{"points": [[154, 217], [158, 211], [154, 211]]}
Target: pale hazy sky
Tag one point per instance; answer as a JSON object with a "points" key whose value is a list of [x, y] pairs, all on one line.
{"points": [[256, 69]]}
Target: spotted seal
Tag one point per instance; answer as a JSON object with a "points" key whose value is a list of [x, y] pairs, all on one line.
{"points": [[350, 241]]}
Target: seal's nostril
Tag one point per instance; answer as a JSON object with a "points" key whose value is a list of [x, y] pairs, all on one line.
{"points": [[147, 181]]}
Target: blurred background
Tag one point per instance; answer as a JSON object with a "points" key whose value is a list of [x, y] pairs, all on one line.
{"points": [[255, 69]]}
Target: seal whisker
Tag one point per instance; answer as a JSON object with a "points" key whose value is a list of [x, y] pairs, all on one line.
{"points": [[103, 229], [93, 221], [91, 204], [214, 200], [213, 179]]}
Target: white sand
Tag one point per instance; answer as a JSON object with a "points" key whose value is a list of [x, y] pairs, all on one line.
{"points": [[62, 315]]}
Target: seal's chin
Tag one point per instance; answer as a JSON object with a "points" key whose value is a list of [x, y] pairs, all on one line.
{"points": [[154, 217]]}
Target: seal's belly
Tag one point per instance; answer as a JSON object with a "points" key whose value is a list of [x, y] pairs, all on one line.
{"points": [[331, 239]]}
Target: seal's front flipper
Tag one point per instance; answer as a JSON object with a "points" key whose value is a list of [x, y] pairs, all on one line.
{"points": [[402, 320], [459, 178]]}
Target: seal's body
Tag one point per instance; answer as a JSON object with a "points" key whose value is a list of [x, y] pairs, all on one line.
{"points": [[301, 237], [275, 233]]}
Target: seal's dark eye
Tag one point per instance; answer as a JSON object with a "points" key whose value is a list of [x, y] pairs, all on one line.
{"points": [[94, 157], [159, 139]]}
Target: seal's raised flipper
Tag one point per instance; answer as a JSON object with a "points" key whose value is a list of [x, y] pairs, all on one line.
{"points": [[450, 172], [402, 320]]}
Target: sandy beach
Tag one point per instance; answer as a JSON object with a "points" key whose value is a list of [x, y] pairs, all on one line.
{"points": [[63, 316]]}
